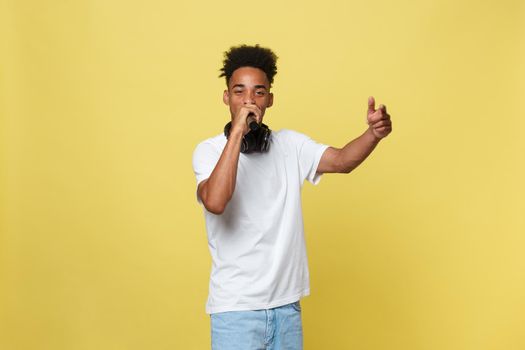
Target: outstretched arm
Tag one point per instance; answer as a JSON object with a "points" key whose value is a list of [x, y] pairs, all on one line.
{"points": [[346, 159]]}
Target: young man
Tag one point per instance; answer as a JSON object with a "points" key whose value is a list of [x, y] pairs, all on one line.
{"points": [[249, 182]]}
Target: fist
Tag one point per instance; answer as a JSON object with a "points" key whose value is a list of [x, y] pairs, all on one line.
{"points": [[239, 119], [378, 119]]}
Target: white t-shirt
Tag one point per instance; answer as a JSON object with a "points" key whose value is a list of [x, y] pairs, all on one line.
{"points": [[257, 244]]}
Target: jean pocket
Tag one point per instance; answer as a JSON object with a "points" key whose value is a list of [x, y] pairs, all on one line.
{"points": [[297, 306]]}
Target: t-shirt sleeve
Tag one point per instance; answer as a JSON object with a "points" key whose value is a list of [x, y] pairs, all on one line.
{"points": [[309, 156], [205, 157]]}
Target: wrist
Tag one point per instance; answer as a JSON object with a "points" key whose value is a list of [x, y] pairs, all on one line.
{"points": [[236, 132], [371, 136]]}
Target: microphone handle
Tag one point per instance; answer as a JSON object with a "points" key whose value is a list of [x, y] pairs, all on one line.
{"points": [[252, 122]]}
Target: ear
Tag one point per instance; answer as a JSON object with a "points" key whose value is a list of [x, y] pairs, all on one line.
{"points": [[270, 101], [226, 97]]}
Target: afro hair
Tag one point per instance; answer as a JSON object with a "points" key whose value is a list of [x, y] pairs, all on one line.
{"points": [[249, 56]]}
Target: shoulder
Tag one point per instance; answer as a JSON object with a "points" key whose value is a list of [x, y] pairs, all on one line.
{"points": [[217, 141], [212, 145]]}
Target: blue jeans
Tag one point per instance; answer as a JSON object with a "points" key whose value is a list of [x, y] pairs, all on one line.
{"points": [[279, 328]]}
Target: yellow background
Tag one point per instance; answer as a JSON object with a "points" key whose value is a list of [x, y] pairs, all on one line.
{"points": [[103, 245]]}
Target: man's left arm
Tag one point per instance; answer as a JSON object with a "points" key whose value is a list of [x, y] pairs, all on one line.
{"points": [[346, 159]]}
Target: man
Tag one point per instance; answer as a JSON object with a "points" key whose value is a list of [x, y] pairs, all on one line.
{"points": [[249, 182]]}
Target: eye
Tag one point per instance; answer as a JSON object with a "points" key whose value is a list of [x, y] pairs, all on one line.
{"points": [[260, 93]]}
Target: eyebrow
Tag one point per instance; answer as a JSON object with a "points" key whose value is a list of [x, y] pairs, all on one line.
{"points": [[243, 86]]}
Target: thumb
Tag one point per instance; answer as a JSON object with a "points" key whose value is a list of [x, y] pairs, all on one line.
{"points": [[371, 105]]}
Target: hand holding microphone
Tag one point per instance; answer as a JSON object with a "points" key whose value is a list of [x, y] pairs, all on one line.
{"points": [[247, 124], [246, 118]]}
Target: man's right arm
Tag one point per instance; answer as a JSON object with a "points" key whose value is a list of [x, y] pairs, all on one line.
{"points": [[217, 190]]}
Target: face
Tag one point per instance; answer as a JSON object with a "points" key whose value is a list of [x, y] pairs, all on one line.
{"points": [[248, 85]]}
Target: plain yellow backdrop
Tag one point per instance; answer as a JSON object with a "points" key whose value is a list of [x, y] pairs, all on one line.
{"points": [[103, 245]]}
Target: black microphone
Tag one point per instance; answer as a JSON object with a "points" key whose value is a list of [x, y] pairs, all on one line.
{"points": [[252, 122]]}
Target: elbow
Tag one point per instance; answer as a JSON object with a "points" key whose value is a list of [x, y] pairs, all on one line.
{"points": [[347, 167], [214, 207], [343, 168], [213, 202], [342, 165]]}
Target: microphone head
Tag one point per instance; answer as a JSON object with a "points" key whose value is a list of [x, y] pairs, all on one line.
{"points": [[252, 123]]}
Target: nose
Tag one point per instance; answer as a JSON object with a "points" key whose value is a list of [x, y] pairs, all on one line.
{"points": [[249, 98]]}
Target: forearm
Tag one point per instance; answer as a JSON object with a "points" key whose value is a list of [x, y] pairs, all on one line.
{"points": [[218, 189], [356, 151]]}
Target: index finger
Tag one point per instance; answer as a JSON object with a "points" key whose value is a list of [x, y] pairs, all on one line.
{"points": [[253, 108], [377, 116]]}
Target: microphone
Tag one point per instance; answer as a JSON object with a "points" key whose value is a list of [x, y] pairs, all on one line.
{"points": [[252, 122]]}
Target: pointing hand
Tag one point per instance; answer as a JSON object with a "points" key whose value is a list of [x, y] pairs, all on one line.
{"points": [[378, 119]]}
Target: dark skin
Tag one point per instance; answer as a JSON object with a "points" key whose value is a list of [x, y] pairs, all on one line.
{"points": [[249, 92], [346, 159]]}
